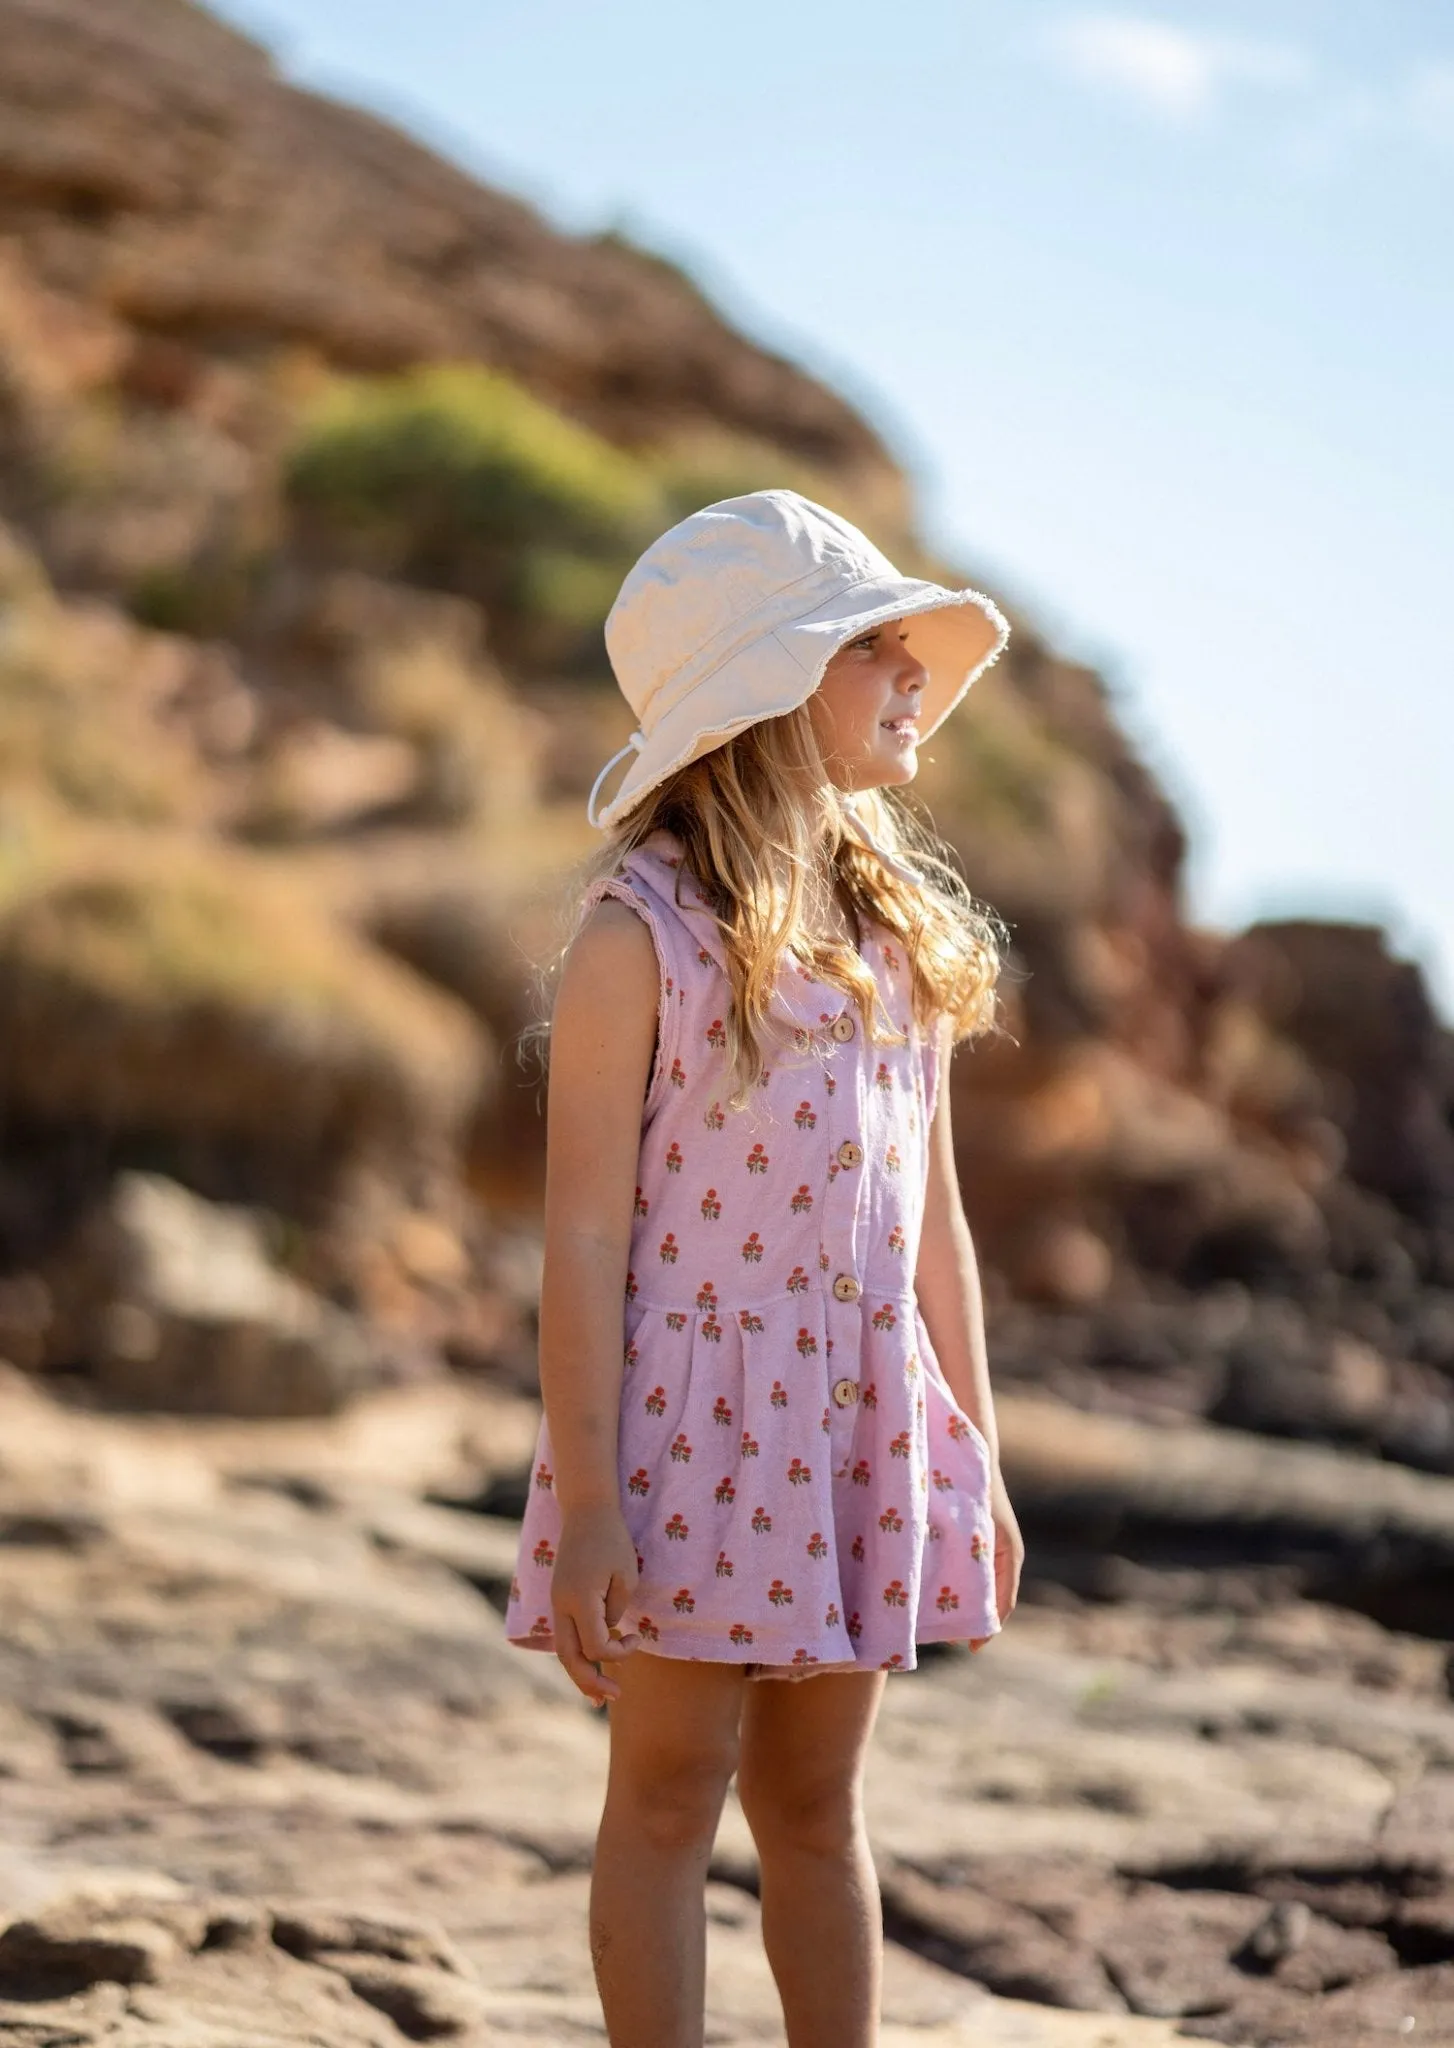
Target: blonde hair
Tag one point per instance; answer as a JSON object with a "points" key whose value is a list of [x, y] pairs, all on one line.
{"points": [[763, 833]]}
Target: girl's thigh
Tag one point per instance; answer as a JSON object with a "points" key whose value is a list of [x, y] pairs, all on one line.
{"points": [[676, 1717], [803, 1746]]}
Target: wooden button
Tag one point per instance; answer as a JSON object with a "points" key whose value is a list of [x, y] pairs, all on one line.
{"points": [[846, 1287], [850, 1154], [842, 1027], [845, 1392]]}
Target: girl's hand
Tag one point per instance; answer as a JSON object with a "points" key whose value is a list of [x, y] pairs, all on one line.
{"points": [[1009, 1555], [594, 1579]]}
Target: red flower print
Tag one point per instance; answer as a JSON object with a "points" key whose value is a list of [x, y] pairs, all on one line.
{"points": [[891, 1521], [752, 1249], [779, 1594], [822, 1260], [827, 1421], [632, 1285], [678, 1075], [816, 1546], [753, 1324], [673, 1157], [831, 1618], [514, 1589], [894, 1594], [702, 954], [862, 1473], [797, 1281], [959, 1429], [715, 1117], [978, 1547], [779, 1394], [716, 1035], [869, 1396], [681, 1450], [948, 1600], [899, 1447], [540, 1626], [911, 1366], [858, 1550], [721, 1412], [801, 1039], [647, 1629], [677, 1530], [638, 1482], [669, 1249], [891, 959], [892, 1161], [641, 1204], [739, 1633], [894, 1663], [749, 1445], [828, 1347], [630, 1355], [762, 1521], [883, 1078], [726, 1493], [801, 1657], [544, 1478], [711, 1330], [798, 1473], [805, 1116], [707, 1296], [943, 1483], [855, 1626], [884, 1318], [724, 1565], [675, 1320], [542, 1553], [684, 1602], [802, 1201], [711, 1206], [830, 1084], [758, 1160], [897, 1240], [655, 1403], [934, 1532], [806, 1343], [764, 1077]]}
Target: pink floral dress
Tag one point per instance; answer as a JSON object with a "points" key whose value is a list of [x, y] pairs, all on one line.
{"points": [[801, 1485]]}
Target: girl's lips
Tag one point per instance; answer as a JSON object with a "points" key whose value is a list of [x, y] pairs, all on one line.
{"points": [[901, 728]]}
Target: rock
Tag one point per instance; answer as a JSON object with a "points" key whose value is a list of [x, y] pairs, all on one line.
{"points": [[186, 1312]]}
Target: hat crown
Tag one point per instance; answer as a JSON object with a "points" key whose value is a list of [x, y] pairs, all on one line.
{"points": [[730, 572]]}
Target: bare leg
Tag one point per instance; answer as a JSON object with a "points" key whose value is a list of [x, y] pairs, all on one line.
{"points": [[800, 1782], [673, 1751]]}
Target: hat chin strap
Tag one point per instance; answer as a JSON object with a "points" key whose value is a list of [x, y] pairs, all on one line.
{"points": [[637, 741], [890, 860]]}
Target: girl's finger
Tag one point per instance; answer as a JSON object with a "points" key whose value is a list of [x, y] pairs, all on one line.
{"points": [[618, 1598], [581, 1669]]}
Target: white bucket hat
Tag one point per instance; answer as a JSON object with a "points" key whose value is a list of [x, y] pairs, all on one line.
{"points": [[734, 613]]}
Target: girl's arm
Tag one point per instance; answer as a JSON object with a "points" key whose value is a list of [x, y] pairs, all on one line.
{"points": [[946, 1279], [602, 1036]]}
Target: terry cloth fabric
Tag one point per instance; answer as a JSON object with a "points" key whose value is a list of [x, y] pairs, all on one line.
{"points": [[801, 1485]]}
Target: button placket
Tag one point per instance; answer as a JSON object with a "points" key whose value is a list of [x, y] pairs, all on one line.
{"points": [[840, 1247]]}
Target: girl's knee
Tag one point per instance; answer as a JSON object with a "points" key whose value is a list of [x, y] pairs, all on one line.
{"points": [[675, 1795], [811, 1815]]}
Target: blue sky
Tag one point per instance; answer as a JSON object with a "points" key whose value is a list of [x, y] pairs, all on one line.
{"points": [[1156, 304]]}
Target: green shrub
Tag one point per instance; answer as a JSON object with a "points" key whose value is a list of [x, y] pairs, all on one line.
{"points": [[458, 477]]}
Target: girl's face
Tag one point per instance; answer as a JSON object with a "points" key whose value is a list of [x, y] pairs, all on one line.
{"points": [[865, 712]]}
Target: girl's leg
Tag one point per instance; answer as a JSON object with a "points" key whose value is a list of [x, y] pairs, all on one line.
{"points": [[800, 1783], [673, 1751]]}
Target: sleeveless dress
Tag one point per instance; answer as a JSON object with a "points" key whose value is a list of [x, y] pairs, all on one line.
{"points": [[801, 1485]]}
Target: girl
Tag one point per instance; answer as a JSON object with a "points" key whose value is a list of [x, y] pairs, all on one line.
{"points": [[769, 1448]]}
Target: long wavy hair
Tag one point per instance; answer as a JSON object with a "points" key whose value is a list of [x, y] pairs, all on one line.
{"points": [[764, 835]]}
